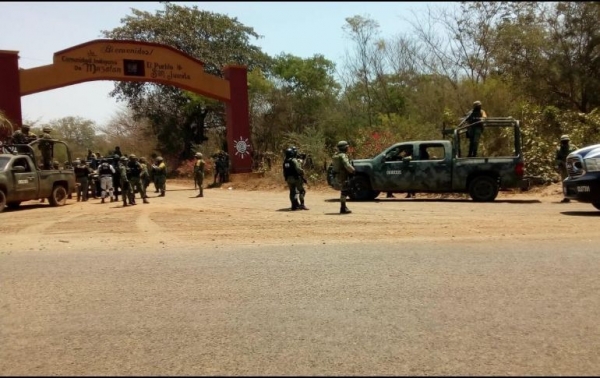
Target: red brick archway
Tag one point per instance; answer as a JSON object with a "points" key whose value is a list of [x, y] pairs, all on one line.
{"points": [[121, 60]]}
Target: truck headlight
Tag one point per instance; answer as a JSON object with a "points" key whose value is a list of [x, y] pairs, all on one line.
{"points": [[592, 164]]}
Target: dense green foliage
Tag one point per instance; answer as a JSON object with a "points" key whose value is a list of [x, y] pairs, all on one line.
{"points": [[536, 61]]}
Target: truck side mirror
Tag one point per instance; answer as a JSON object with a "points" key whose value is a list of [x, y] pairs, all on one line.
{"points": [[18, 168]]}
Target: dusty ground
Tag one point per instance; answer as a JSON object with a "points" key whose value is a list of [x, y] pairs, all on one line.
{"points": [[250, 210], [236, 284]]}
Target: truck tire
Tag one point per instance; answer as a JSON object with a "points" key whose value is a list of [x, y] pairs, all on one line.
{"points": [[360, 189], [2, 201], [596, 205], [483, 189], [58, 196]]}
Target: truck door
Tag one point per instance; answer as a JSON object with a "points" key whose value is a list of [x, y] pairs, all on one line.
{"points": [[431, 167], [396, 175], [25, 181]]}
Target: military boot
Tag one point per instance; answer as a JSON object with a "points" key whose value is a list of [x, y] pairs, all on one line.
{"points": [[295, 205], [124, 203], [162, 193], [344, 209], [102, 200], [145, 200], [302, 207]]}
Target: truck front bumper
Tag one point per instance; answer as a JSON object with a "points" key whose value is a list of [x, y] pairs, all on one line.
{"points": [[582, 189]]}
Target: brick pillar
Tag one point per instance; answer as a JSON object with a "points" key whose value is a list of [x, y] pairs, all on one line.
{"points": [[238, 119], [10, 88]]}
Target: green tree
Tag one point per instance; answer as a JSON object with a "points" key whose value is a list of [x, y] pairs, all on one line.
{"points": [[77, 132], [215, 39]]}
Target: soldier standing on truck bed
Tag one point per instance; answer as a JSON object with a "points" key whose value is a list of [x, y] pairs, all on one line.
{"points": [[561, 159], [23, 136], [46, 147], [476, 127]]}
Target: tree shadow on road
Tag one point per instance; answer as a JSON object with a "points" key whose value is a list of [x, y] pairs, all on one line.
{"points": [[581, 213]]}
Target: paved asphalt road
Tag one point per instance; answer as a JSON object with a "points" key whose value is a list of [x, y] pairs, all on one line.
{"points": [[411, 308]]}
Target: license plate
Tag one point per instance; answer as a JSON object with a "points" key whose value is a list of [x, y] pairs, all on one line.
{"points": [[583, 189]]}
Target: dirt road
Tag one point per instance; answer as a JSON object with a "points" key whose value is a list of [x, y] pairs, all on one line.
{"points": [[240, 217], [236, 284]]}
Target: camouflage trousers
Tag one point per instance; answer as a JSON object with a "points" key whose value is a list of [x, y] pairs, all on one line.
{"points": [[296, 187], [106, 183], [199, 180], [82, 189], [474, 134], [127, 193], [161, 183], [562, 169], [345, 187], [136, 186]]}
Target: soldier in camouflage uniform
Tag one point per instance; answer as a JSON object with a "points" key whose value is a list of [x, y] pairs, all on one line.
{"points": [[126, 193], [561, 159], [342, 170], [476, 129], [134, 175], [294, 177], [145, 176], [199, 173], [23, 136], [46, 147], [160, 175]]}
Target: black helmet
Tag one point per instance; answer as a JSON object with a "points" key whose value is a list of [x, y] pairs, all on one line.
{"points": [[294, 150], [289, 153]]}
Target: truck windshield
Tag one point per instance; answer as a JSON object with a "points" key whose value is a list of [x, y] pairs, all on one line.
{"points": [[3, 162]]}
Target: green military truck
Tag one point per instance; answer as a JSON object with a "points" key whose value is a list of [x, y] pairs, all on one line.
{"points": [[439, 166], [21, 179]]}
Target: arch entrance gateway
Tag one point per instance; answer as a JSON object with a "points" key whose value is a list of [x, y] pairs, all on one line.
{"points": [[121, 60]]}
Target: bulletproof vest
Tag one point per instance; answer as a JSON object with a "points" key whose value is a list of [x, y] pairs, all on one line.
{"points": [[134, 169], [81, 171], [475, 115], [289, 170], [104, 170]]}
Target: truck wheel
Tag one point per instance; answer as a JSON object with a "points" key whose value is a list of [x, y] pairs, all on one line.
{"points": [[2, 201], [483, 189], [360, 189], [596, 205], [58, 196]]}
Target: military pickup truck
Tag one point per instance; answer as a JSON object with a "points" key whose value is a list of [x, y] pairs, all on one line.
{"points": [[438, 166], [21, 179], [583, 183]]}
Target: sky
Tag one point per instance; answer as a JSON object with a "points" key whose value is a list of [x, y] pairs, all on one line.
{"points": [[38, 30]]}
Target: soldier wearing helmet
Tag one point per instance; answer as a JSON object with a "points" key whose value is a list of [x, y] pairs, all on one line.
{"points": [[124, 181], [46, 146], [145, 175], [160, 175], [199, 173], [116, 177], [562, 151], [82, 175], [474, 119], [134, 175], [106, 173], [293, 175], [23, 135], [342, 170]]}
